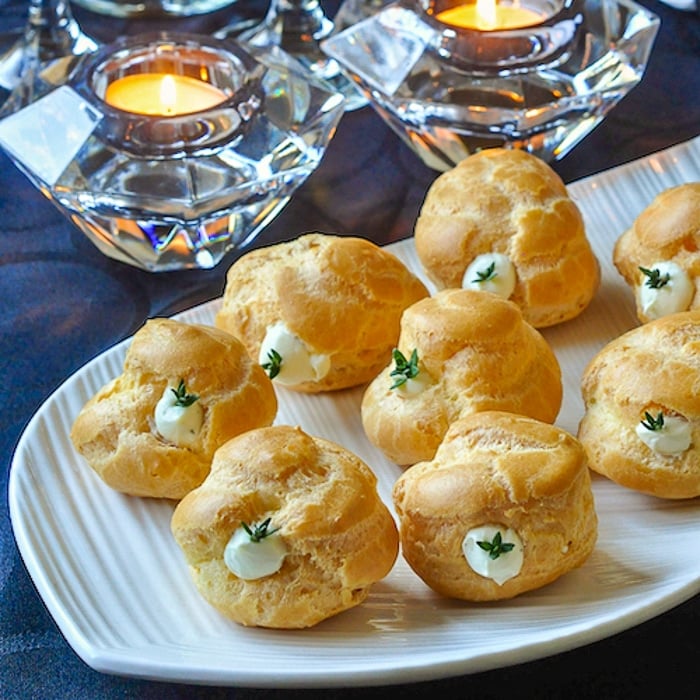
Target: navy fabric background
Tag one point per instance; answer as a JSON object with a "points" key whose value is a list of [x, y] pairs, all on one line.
{"points": [[54, 285]]}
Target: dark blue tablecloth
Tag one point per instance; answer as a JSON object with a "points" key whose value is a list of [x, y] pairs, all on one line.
{"points": [[54, 286]]}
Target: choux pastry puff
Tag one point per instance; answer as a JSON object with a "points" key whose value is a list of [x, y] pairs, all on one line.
{"points": [[506, 506], [320, 312], [185, 389], [503, 221], [459, 352], [286, 531]]}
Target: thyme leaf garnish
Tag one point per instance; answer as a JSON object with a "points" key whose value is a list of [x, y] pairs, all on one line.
{"points": [[182, 398], [273, 364], [485, 275], [404, 369], [655, 280], [496, 547], [652, 423], [260, 531]]}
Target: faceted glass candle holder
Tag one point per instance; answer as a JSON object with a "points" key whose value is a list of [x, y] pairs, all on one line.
{"points": [[450, 91], [166, 192]]}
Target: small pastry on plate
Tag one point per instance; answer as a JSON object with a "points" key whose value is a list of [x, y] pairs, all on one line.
{"points": [[286, 531], [320, 312], [506, 506], [459, 352], [659, 255], [641, 392], [185, 389], [503, 221]]}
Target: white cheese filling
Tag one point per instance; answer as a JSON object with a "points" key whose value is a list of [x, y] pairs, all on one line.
{"points": [[672, 438], [178, 424], [251, 560], [491, 272], [673, 296], [498, 566], [413, 386], [298, 364]]}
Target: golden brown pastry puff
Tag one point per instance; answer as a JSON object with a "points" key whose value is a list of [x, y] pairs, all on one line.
{"points": [[459, 352], [659, 255], [286, 531], [505, 507], [319, 312], [185, 389], [641, 392], [502, 220]]}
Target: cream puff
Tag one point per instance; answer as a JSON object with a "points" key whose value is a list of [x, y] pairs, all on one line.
{"points": [[502, 220], [185, 390], [320, 312], [459, 352], [659, 255], [505, 507], [286, 531], [641, 393]]}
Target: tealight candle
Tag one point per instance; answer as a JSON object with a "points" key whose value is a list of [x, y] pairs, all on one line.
{"points": [[162, 94], [487, 15]]}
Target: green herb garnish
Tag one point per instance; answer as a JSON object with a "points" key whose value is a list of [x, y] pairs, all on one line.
{"points": [[259, 532], [655, 280], [273, 364], [182, 398], [652, 423], [496, 547], [485, 275], [405, 369]]}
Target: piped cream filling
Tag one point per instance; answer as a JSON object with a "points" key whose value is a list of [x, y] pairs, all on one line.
{"points": [[178, 424], [298, 363], [491, 272], [672, 297], [251, 560], [673, 438], [504, 566]]}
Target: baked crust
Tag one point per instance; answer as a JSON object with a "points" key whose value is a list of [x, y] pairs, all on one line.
{"points": [[479, 353], [115, 430], [342, 296], [510, 202], [513, 471], [341, 537], [668, 230], [654, 367]]}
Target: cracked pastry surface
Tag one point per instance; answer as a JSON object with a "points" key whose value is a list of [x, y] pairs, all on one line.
{"points": [[475, 353], [334, 301], [116, 430], [665, 237], [649, 376], [510, 203], [339, 536], [495, 472]]}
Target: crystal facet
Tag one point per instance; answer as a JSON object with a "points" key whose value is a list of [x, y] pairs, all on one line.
{"points": [[165, 193], [449, 91]]}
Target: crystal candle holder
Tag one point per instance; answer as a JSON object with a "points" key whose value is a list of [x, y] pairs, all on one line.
{"points": [[180, 185], [449, 91]]}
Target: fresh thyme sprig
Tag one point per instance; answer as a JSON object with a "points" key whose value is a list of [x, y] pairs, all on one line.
{"points": [[182, 398], [655, 280], [652, 423], [485, 275], [404, 369], [260, 531], [496, 547], [273, 364]]}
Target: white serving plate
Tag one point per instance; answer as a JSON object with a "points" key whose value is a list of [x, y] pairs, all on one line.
{"points": [[117, 585]]}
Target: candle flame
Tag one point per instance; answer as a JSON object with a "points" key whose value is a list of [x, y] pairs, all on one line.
{"points": [[486, 12], [168, 94]]}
